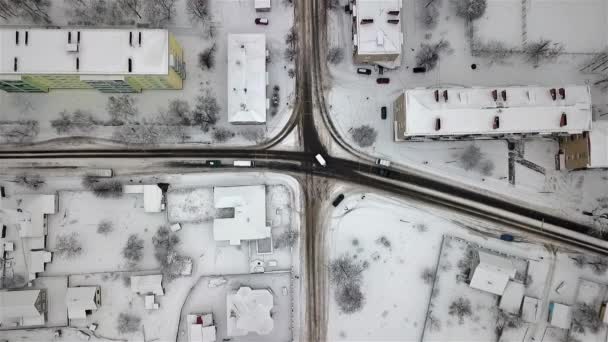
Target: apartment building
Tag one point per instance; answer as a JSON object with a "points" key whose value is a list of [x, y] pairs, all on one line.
{"points": [[109, 60]]}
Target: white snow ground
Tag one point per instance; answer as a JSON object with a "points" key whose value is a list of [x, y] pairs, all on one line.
{"points": [[396, 296], [229, 16], [355, 100]]}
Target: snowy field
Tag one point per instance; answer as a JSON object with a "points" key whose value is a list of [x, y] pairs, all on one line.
{"points": [[101, 262], [227, 16], [354, 100], [398, 300]]}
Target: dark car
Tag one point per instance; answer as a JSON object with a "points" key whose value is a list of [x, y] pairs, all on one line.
{"points": [[380, 69], [213, 163], [383, 80], [506, 237], [418, 70], [383, 112], [364, 71], [384, 172], [338, 199], [261, 21]]}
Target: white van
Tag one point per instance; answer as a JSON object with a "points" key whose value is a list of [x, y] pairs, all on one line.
{"points": [[244, 163], [321, 160]]}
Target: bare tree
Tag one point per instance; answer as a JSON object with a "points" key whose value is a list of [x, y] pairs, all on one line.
{"points": [[345, 269], [98, 12], [21, 131], [180, 109], [541, 51], [470, 9], [291, 73], [461, 308], [79, 121], [495, 51], [127, 323], [470, 157], [134, 6], [159, 13], [12, 282], [151, 133], [33, 181], [105, 227], [165, 250], [198, 10], [103, 188], [428, 55], [486, 167], [333, 4], [287, 239], [256, 135], [122, 109], [35, 10], [206, 111], [505, 321], [134, 249], [289, 54], [585, 317], [206, 59], [428, 275], [430, 14], [350, 298], [291, 37], [364, 136], [433, 323], [221, 134], [68, 246], [335, 55]]}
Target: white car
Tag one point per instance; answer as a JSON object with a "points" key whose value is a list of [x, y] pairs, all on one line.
{"points": [[321, 160], [383, 162]]}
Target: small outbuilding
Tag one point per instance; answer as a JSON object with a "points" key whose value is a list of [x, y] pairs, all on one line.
{"points": [[512, 298], [560, 315], [148, 284], [262, 5], [530, 309], [82, 301], [249, 311], [491, 272]]}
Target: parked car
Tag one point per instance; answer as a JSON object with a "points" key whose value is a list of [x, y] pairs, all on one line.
{"points": [[383, 112], [261, 21], [364, 71], [321, 160], [383, 162], [244, 163], [418, 70], [213, 163], [338, 199], [383, 80], [506, 237]]}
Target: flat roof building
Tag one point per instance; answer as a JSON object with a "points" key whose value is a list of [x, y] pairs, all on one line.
{"points": [[249, 219], [530, 309], [247, 79], [560, 315], [147, 284], [512, 297], [585, 151], [29, 214], [110, 60], [491, 112], [82, 301], [23, 308], [377, 33], [491, 273], [153, 196], [249, 311]]}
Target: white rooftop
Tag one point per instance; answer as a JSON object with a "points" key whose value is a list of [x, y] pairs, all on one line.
{"points": [[473, 111], [262, 4], [21, 307], [560, 315], [249, 311], [249, 221], [153, 196], [530, 309], [247, 79], [379, 37], [598, 144], [148, 284], [27, 212], [80, 299], [36, 261], [100, 51], [511, 299], [492, 273]]}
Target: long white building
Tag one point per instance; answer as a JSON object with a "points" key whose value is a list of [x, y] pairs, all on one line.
{"points": [[491, 112]]}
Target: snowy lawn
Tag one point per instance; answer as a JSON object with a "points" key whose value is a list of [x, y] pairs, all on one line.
{"points": [[355, 100], [81, 212], [229, 16], [208, 299]]}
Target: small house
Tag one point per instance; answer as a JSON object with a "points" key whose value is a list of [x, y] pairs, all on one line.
{"points": [[560, 315], [249, 311], [512, 298], [82, 301], [491, 272], [529, 309], [23, 308]]}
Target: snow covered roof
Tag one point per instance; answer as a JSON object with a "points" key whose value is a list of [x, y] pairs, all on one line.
{"points": [[28, 213], [148, 284], [153, 196], [380, 36], [474, 111], [249, 311], [512, 297], [26, 307], [492, 273], [80, 299], [262, 4], [36, 262], [249, 221], [529, 309], [560, 315], [99, 51], [598, 144], [247, 78]]}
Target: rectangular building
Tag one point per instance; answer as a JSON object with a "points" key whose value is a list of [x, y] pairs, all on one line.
{"points": [[587, 150], [491, 273], [492, 112], [24, 308], [247, 79], [377, 33], [110, 60]]}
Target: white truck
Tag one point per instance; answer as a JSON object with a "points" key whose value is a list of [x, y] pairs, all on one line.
{"points": [[321, 160], [244, 163]]}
